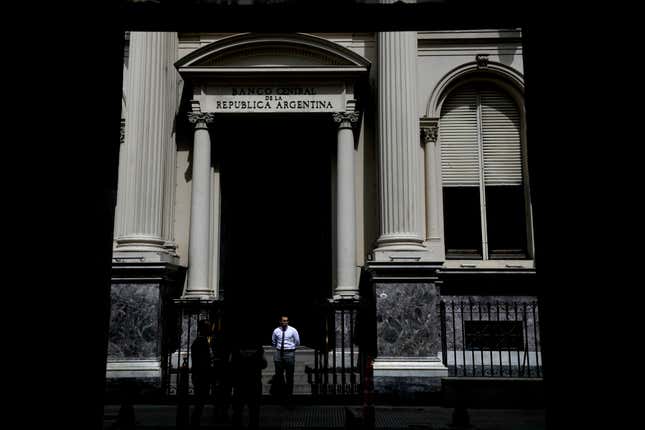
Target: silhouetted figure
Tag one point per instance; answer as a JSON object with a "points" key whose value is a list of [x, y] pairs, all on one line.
{"points": [[221, 376], [126, 419], [247, 363], [202, 370], [285, 339]]}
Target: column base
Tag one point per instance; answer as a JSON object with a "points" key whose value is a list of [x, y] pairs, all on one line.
{"points": [[340, 294], [140, 319], [199, 297], [141, 243], [436, 249], [120, 255], [397, 253], [400, 248]]}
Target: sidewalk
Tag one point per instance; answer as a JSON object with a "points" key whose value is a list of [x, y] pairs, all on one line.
{"points": [[333, 417]]}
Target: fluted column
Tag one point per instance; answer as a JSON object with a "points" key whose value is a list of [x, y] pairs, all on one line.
{"points": [[345, 208], [399, 150], [198, 285], [170, 183], [142, 169]]}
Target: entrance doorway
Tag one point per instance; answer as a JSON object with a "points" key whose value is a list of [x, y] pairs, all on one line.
{"points": [[276, 214]]}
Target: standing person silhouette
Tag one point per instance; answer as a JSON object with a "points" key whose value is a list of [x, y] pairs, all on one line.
{"points": [[201, 369], [285, 339], [247, 362], [221, 375]]}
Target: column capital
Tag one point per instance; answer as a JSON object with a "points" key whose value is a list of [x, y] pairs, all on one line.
{"points": [[122, 139], [429, 130], [197, 117], [341, 117]]}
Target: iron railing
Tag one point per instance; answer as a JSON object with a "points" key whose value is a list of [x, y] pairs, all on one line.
{"points": [[176, 363], [338, 364], [485, 338]]}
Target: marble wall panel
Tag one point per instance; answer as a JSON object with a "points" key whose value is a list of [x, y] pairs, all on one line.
{"points": [[408, 323], [135, 321]]}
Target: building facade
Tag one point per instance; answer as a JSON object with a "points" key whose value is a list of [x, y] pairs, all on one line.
{"points": [[276, 172]]}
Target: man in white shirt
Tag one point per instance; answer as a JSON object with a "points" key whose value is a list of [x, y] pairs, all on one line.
{"points": [[285, 340]]}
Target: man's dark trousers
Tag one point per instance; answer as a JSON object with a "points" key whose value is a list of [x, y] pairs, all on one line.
{"points": [[285, 362]]}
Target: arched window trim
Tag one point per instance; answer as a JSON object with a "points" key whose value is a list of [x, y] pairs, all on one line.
{"points": [[512, 87]]}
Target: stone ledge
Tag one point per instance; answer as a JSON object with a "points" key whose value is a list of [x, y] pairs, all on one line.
{"points": [[133, 369], [430, 367]]}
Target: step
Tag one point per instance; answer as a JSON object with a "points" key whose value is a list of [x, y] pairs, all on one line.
{"points": [[304, 357]]}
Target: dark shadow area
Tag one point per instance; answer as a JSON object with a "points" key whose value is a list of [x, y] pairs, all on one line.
{"points": [[276, 220]]}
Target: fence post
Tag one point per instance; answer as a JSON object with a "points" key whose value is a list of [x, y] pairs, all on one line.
{"points": [[182, 396], [444, 341], [368, 387]]}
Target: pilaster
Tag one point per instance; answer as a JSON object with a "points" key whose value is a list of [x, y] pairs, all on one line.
{"points": [[434, 201]]}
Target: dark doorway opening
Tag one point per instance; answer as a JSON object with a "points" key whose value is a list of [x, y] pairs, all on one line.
{"points": [[276, 213]]}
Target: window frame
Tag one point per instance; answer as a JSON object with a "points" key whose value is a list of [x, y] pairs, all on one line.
{"points": [[517, 97]]}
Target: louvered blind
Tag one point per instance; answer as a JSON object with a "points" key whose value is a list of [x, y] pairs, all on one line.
{"points": [[500, 138], [458, 137], [460, 140]]}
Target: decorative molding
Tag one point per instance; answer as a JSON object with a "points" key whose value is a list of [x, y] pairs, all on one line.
{"points": [[341, 117], [196, 117], [499, 73], [482, 61], [350, 105], [276, 52], [122, 139], [316, 49], [429, 130]]}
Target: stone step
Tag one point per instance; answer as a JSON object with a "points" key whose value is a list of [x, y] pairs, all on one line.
{"points": [[304, 357]]}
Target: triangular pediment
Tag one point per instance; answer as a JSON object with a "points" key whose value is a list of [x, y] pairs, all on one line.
{"points": [[279, 51]]}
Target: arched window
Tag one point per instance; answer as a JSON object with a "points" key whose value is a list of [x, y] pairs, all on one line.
{"points": [[484, 196]]}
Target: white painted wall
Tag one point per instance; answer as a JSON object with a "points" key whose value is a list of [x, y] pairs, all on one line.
{"points": [[442, 51]]}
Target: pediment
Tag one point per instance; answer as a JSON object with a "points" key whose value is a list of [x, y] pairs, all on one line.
{"points": [[272, 56], [277, 51]]}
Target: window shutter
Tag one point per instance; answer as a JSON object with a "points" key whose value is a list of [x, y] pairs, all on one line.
{"points": [[458, 138], [500, 139]]}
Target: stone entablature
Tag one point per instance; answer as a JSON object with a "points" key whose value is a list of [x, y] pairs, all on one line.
{"points": [[269, 97]]}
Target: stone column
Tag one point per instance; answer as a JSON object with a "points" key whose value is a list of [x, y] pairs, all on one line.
{"points": [[346, 208], [142, 179], [170, 175], [434, 207], [399, 150], [198, 286]]}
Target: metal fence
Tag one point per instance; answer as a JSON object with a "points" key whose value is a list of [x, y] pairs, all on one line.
{"points": [[500, 338], [338, 368], [176, 363]]}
